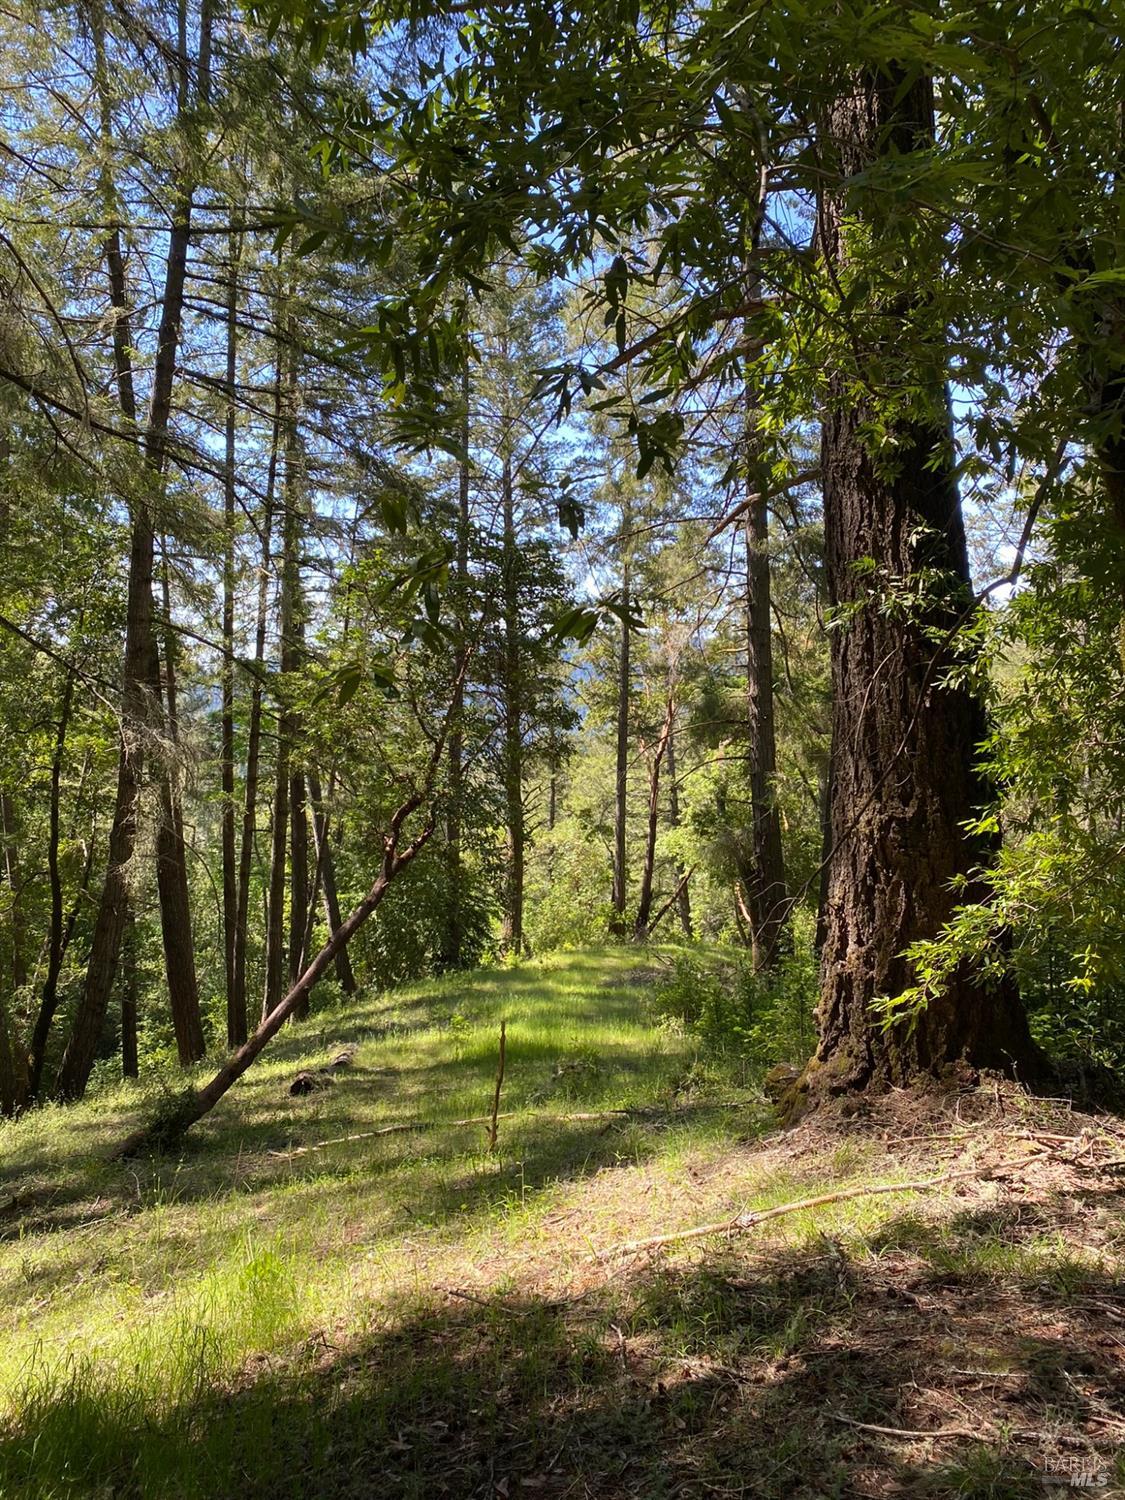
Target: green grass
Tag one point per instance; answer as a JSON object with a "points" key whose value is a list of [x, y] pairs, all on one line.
{"points": [[409, 1315], [142, 1289]]}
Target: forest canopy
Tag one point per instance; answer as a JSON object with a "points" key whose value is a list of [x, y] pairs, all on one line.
{"points": [[562, 749], [485, 480]]}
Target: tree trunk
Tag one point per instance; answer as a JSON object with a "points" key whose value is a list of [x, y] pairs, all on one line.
{"points": [[621, 773], [326, 866], [175, 925], [763, 877], [139, 711], [904, 744], [452, 938], [9, 1082], [10, 834], [298, 872], [683, 896], [109, 925], [513, 721], [129, 1063], [48, 1000], [275, 924], [236, 1014], [237, 1011], [292, 659], [648, 870], [277, 952], [171, 864]]}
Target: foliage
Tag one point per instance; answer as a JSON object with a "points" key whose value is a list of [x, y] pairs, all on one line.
{"points": [[762, 1019], [1051, 902]]}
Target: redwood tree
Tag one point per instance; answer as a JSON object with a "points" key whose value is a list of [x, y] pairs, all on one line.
{"points": [[905, 739]]}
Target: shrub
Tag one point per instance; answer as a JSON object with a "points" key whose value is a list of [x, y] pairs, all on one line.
{"points": [[737, 1014]]}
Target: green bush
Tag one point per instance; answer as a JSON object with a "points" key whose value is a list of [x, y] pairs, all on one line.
{"points": [[762, 1019]]}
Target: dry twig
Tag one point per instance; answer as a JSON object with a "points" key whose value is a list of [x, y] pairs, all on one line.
{"points": [[752, 1218]]}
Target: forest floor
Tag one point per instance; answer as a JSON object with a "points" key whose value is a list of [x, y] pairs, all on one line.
{"points": [[299, 1305]]}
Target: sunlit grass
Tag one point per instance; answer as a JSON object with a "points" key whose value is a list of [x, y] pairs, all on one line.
{"points": [[94, 1251], [244, 1316]]}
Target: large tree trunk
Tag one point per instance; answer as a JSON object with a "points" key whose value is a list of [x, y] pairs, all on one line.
{"points": [[904, 744]]}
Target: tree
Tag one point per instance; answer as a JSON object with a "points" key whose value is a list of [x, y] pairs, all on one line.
{"points": [[905, 738], [637, 159]]}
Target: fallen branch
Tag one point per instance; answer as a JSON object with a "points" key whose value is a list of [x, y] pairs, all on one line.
{"points": [[671, 901], [911, 1434], [752, 1219], [402, 1127]]}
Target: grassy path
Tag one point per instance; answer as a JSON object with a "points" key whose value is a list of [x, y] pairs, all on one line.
{"points": [[408, 1315]]}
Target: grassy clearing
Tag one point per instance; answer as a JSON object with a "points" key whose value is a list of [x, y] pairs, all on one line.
{"points": [[408, 1315]]}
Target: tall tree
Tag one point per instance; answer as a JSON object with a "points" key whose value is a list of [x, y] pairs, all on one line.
{"points": [[140, 675], [905, 738]]}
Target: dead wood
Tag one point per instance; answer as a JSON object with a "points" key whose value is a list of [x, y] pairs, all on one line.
{"points": [[752, 1218]]}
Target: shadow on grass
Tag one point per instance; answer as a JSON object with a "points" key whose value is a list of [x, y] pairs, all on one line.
{"points": [[442, 1182], [252, 1142], [731, 1377]]}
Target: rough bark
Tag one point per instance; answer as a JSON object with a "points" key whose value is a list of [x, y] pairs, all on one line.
{"points": [[904, 743]]}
